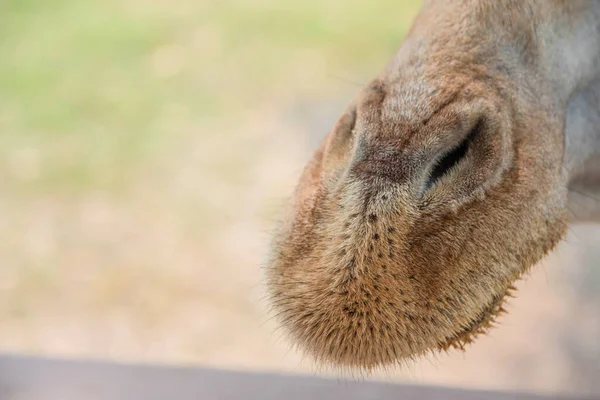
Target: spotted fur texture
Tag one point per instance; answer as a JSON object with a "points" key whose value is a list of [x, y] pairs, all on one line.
{"points": [[441, 184]]}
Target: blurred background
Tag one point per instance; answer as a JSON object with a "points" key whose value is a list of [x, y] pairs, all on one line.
{"points": [[146, 150]]}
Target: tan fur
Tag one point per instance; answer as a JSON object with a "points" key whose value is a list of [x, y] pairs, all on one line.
{"points": [[372, 264]]}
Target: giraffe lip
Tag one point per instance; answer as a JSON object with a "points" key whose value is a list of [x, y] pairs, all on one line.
{"points": [[476, 326]]}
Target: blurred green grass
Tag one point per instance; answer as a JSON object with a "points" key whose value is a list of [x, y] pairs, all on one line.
{"points": [[90, 90]]}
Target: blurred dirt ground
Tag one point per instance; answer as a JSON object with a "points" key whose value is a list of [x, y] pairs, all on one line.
{"points": [[146, 148]]}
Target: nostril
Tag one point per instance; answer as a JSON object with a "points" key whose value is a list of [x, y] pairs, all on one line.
{"points": [[453, 157], [341, 138]]}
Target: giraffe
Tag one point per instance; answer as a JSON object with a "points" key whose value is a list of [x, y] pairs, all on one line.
{"points": [[445, 179]]}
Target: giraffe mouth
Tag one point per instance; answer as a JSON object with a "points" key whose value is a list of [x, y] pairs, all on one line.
{"points": [[479, 325]]}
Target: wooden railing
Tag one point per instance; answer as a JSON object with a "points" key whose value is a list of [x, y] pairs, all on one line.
{"points": [[29, 378]]}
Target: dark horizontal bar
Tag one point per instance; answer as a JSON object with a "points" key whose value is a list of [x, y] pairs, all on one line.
{"points": [[31, 378]]}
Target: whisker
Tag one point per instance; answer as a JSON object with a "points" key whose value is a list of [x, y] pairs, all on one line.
{"points": [[339, 78], [587, 195]]}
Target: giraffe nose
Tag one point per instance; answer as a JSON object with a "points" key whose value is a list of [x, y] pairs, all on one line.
{"points": [[460, 151]]}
